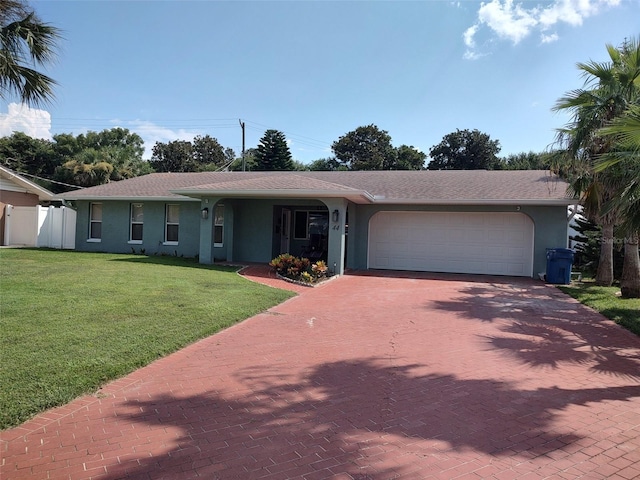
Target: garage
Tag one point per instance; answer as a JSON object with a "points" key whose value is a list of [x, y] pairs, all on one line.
{"points": [[491, 243]]}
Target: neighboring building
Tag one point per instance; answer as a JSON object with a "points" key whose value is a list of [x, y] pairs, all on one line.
{"points": [[485, 222], [17, 191]]}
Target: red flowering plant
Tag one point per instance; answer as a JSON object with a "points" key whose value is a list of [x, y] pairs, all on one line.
{"points": [[319, 270], [282, 263], [299, 269]]}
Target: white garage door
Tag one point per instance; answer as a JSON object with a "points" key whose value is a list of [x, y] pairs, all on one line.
{"points": [[486, 243]]}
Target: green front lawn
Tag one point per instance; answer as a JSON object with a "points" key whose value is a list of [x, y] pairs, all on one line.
{"points": [[72, 321], [624, 311]]}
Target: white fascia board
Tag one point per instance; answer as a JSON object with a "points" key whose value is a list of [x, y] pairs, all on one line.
{"points": [[358, 196], [29, 186], [130, 199], [511, 202]]}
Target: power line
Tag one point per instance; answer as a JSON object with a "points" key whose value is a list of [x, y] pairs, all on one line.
{"points": [[146, 127], [48, 180]]}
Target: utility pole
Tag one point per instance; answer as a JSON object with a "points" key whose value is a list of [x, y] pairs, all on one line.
{"points": [[242, 126]]}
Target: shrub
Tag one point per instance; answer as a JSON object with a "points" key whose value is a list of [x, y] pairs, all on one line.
{"points": [[282, 263], [319, 269], [299, 269]]}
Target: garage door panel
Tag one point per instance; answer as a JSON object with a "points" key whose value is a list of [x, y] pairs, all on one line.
{"points": [[488, 243]]}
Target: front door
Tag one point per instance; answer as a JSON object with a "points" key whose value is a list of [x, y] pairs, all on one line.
{"points": [[285, 230]]}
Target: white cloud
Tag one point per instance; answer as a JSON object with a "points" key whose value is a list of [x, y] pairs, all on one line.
{"points": [[21, 118], [508, 21], [548, 38], [515, 21], [468, 35]]}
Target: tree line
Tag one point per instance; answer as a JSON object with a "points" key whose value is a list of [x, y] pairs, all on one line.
{"points": [[94, 158]]}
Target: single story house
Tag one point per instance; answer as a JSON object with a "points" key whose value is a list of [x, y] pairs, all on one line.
{"points": [[473, 221], [18, 191]]}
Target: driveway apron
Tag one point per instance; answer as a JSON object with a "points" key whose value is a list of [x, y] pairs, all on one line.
{"points": [[372, 376]]}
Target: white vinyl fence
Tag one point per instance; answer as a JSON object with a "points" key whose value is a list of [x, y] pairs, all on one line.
{"points": [[53, 227]]}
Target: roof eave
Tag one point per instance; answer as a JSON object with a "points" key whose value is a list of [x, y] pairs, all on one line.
{"points": [[31, 187], [356, 196], [514, 201], [100, 198]]}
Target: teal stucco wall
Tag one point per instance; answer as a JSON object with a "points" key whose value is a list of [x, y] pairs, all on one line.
{"points": [[254, 226], [251, 228], [116, 224]]}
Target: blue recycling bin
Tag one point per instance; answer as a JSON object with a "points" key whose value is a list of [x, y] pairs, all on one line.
{"points": [[559, 262]]}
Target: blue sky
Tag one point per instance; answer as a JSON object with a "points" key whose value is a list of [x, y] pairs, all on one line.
{"points": [[316, 70]]}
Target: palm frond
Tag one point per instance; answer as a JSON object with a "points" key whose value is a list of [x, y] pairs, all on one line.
{"points": [[25, 44]]}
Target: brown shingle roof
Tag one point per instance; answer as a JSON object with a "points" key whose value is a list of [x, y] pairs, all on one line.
{"points": [[451, 186]]}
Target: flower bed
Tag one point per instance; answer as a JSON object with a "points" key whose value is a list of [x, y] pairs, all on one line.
{"points": [[300, 270]]}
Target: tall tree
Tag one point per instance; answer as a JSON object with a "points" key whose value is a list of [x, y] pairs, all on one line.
{"points": [[525, 161], [465, 150], [26, 44], [626, 132], [326, 165], [249, 161], [208, 154], [273, 152], [611, 88], [25, 154], [94, 158], [85, 171], [365, 148], [409, 158], [129, 143], [176, 156]]}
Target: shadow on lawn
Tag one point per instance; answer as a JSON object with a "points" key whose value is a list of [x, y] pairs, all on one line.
{"points": [[174, 261], [339, 416], [543, 328]]}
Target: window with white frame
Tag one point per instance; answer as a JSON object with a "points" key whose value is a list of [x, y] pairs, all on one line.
{"points": [[218, 226], [95, 222], [137, 221], [172, 223]]}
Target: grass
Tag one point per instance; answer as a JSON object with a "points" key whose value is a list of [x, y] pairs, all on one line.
{"points": [[623, 311], [71, 321]]}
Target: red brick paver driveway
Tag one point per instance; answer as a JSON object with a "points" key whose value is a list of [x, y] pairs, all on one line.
{"points": [[366, 377]]}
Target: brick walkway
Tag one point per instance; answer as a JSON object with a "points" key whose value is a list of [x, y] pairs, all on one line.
{"points": [[366, 377]]}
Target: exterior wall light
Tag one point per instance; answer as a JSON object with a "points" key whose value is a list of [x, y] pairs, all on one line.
{"points": [[335, 215], [204, 213]]}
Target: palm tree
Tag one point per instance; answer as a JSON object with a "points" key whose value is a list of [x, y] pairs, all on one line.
{"points": [[25, 44], [610, 89], [626, 131]]}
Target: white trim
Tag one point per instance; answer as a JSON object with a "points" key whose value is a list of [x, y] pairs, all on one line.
{"points": [[220, 225], [92, 221], [167, 224], [132, 223], [31, 187], [135, 242], [100, 198], [356, 196], [94, 240], [466, 202]]}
